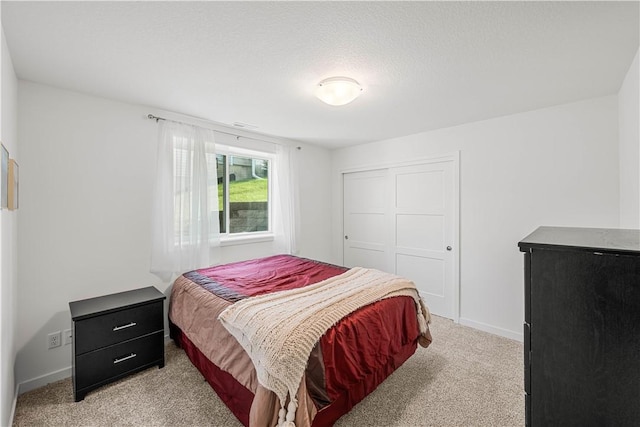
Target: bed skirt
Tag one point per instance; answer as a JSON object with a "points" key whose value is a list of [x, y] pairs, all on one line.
{"points": [[238, 398]]}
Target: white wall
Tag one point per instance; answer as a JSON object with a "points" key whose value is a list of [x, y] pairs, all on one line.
{"points": [[555, 166], [8, 239], [629, 126], [87, 172]]}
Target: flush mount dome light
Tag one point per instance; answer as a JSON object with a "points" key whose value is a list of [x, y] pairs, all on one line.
{"points": [[338, 90]]}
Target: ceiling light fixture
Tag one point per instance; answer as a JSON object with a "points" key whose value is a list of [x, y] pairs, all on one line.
{"points": [[338, 90]]}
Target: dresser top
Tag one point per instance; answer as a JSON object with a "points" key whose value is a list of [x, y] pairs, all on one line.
{"points": [[107, 303], [611, 240]]}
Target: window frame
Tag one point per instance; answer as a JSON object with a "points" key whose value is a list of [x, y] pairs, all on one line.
{"points": [[227, 238]]}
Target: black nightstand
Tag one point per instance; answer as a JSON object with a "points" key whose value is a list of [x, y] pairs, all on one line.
{"points": [[114, 336]]}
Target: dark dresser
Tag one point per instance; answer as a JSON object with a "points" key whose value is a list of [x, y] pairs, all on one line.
{"points": [[114, 336], [582, 327]]}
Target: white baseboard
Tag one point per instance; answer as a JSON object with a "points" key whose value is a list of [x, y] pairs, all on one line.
{"points": [[43, 380], [518, 336]]}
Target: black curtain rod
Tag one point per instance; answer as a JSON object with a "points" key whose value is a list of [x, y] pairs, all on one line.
{"points": [[156, 118]]}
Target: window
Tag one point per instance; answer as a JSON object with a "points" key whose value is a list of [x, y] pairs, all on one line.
{"points": [[203, 188], [243, 192], [238, 185]]}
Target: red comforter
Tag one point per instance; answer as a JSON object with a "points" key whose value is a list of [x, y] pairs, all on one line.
{"points": [[349, 361]]}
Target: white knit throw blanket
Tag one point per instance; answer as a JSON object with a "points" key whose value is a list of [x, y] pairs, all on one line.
{"points": [[279, 330]]}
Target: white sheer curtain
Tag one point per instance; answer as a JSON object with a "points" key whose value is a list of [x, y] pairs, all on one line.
{"points": [[286, 222], [185, 208]]}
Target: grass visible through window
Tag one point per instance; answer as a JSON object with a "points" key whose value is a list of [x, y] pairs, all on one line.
{"points": [[251, 190]]}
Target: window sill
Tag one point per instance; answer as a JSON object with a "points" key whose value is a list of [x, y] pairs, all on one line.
{"points": [[246, 239]]}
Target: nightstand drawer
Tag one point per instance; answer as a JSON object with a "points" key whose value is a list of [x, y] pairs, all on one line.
{"points": [[105, 364], [112, 328]]}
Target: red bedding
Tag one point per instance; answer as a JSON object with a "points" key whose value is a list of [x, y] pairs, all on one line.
{"points": [[239, 280], [349, 361]]}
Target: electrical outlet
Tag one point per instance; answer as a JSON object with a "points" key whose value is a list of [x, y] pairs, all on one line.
{"points": [[68, 337], [54, 340]]}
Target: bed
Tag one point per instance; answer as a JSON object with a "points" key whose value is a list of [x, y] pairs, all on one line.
{"points": [[346, 363]]}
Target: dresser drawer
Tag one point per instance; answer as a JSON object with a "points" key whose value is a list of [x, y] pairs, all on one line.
{"points": [[101, 365], [118, 326]]}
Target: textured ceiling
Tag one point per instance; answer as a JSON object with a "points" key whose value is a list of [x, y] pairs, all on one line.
{"points": [[423, 65]]}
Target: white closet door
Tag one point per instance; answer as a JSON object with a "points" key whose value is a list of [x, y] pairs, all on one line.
{"points": [[423, 228], [366, 206], [404, 220]]}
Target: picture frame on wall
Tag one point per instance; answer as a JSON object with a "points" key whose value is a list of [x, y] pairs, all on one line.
{"points": [[4, 179], [12, 191]]}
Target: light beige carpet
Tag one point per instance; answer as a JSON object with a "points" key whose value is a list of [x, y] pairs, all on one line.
{"points": [[465, 378]]}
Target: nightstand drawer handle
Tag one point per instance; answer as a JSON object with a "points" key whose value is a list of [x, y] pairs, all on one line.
{"points": [[131, 356], [117, 328]]}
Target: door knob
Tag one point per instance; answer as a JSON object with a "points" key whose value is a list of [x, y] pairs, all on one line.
{"points": [[448, 248], [346, 237]]}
